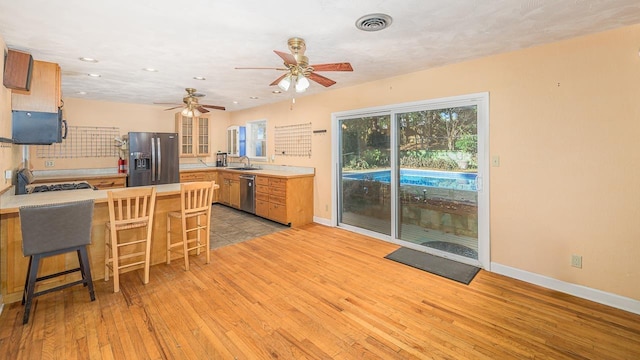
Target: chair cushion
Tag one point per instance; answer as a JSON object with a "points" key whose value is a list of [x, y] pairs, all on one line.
{"points": [[52, 227]]}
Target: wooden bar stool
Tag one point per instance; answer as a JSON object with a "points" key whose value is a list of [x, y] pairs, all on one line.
{"points": [[195, 220], [126, 245], [49, 230]]}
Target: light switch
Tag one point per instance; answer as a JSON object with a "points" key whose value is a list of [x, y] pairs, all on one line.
{"points": [[8, 174], [495, 161]]}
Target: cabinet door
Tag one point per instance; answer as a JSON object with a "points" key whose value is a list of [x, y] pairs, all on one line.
{"points": [[185, 129], [234, 193], [44, 94], [224, 191], [202, 137]]}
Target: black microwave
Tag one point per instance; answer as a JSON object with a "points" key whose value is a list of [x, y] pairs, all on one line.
{"points": [[37, 128]]}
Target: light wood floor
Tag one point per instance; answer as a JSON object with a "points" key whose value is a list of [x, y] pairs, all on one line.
{"points": [[315, 293]]}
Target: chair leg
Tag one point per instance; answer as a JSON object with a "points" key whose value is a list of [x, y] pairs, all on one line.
{"points": [[85, 269], [198, 235], [168, 239], [207, 248], [106, 253], [147, 255], [114, 261], [185, 244], [26, 281], [30, 286]]}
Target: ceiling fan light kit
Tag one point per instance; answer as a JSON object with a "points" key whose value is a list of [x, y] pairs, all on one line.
{"points": [[187, 112]]}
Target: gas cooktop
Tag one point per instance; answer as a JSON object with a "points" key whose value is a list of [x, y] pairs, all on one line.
{"points": [[34, 188]]}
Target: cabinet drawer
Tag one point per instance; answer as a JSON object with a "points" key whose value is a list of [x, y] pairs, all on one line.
{"points": [[110, 183], [194, 177], [278, 212], [277, 182], [277, 199], [262, 189], [278, 191], [262, 196], [260, 180], [231, 176]]}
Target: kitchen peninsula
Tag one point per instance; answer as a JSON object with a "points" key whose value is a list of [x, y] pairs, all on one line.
{"points": [[14, 265]]}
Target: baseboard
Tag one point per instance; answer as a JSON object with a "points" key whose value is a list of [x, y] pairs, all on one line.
{"points": [[322, 221], [602, 297]]}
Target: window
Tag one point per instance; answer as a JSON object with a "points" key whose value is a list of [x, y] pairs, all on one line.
{"points": [[257, 139]]}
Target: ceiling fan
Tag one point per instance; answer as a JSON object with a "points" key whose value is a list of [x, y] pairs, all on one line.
{"points": [[191, 106], [298, 71]]}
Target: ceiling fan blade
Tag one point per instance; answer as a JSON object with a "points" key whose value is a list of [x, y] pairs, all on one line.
{"points": [[326, 82], [276, 81], [288, 58], [175, 107], [260, 68], [202, 109], [345, 66], [214, 107]]}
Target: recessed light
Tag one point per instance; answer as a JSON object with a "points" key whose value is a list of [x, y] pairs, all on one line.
{"points": [[94, 75], [150, 69], [82, 93], [199, 78], [253, 97], [235, 102], [277, 92], [88, 59]]}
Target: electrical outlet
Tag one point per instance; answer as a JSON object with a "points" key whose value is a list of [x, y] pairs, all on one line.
{"points": [[49, 163], [495, 161], [576, 261]]}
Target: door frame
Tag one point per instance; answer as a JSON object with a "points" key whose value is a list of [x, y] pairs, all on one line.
{"points": [[482, 102]]}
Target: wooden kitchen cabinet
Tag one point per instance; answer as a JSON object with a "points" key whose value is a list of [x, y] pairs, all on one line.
{"points": [[287, 201], [193, 133], [230, 189], [44, 94]]}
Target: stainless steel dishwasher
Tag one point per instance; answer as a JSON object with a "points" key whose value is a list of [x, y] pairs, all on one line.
{"points": [[248, 193]]}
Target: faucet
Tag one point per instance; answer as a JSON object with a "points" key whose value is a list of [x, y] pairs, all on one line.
{"points": [[248, 160]]}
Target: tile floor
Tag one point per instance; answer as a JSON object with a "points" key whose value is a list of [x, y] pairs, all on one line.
{"points": [[231, 226]]}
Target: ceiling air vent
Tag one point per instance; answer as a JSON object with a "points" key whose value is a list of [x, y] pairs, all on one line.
{"points": [[373, 22]]}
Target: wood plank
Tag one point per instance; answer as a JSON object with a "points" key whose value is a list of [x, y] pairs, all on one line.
{"points": [[315, 292]]}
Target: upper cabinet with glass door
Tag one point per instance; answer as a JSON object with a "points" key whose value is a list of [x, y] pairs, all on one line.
{"points": [[194, 136]]}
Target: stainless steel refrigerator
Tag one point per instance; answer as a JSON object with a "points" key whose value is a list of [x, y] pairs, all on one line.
{"points": [[153, 159]]}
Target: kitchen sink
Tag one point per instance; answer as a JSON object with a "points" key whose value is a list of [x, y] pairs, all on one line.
{"points": [[243, 168]]}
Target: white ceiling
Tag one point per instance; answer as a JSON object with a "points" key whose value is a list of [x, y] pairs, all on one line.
{"points": [[183, 39]]}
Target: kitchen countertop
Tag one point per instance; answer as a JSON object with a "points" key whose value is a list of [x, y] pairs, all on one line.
{"points": [[282, 171], [10, 203]]}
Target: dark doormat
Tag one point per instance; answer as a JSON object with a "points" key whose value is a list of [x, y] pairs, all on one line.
{"points": [[435, 264]]}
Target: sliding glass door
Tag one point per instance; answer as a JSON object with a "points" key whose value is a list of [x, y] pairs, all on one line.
{"points": [[412, 174], [437, 159], [365, 148]]}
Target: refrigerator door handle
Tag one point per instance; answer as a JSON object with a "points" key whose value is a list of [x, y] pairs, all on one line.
{"points": [[159, 159], [153, 160]]}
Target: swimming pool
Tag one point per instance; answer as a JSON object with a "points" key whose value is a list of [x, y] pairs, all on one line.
{"points": [[436, 179]]}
